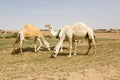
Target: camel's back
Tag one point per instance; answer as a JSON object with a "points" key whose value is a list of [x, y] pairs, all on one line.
{"points": [[30, 30], [81, 27]]}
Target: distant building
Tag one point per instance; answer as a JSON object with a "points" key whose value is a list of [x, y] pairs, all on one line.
{"points": [[100, 30], [105, 30]]}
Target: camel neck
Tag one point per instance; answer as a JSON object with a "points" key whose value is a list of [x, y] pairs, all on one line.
{"points": [[53, 32]]}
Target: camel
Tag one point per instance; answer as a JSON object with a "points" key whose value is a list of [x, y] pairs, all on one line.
{"points": [[58, 34], [50, 27], [54, 33], [29, 31], [75, 33]]}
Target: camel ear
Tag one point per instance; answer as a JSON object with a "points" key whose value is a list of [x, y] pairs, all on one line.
{"points": [[45, 25]]}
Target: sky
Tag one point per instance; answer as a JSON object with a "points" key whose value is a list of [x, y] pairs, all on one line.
{"points": [[97, 14]]}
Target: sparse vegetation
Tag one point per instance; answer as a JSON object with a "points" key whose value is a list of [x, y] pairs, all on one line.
{"points": [[7, 35], [104, 65]]}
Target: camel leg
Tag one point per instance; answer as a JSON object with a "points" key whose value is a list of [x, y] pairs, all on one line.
{"points": [[61, 49], [39, 43], [20, 46], [17, 40], [47, 45], [21, 37], [35, 45], [70, 47], [90, 45], [94, 47], [58, 47], [75, 50], [45, 42]]}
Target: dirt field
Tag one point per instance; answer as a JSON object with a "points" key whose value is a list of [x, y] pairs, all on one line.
{"points": [[108, 35], [103, 65]]}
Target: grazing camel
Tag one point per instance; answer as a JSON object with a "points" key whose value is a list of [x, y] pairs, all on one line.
{"points": [[29, 31], [74, 33], [55, 33], [58, 34]]}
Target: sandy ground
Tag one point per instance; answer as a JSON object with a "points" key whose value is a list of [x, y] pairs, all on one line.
{"points": [[108, 35], [104, 65]]}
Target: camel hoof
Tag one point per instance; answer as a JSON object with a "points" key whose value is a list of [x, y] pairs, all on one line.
{"points": [[69, 55], [61, 50], [86, 53], [53, 55], [74, 54], [49, 49], [37, 50], [13, 52]]}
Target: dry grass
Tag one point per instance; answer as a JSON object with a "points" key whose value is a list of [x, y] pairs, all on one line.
{"points": [[104, 65], [108, 35]]}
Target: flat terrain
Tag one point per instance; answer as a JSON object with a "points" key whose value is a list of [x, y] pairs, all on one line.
{"points": [[103, 65]]}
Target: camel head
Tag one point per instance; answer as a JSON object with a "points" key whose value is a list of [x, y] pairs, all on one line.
{"points": [[49, 26]]}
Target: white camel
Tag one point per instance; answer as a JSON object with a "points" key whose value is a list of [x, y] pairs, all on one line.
{"points": [[55, 33], [74, 33], [58, 34], [29, 31]]}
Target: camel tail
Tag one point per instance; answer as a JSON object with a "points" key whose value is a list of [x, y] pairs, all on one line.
{"points": [[92, 37], [87, 36]]}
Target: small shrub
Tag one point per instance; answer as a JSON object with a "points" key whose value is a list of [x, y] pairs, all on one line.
{"points": [[14, 35], [8, 35]]}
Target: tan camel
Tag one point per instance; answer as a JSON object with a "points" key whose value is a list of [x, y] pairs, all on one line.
{"points": [[29, 31]]}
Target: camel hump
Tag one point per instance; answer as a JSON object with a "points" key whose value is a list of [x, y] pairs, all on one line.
{"points": [[31, 31]]}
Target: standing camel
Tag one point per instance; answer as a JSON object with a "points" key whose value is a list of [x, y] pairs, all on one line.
{"points": [[58, 34], [74, 33], [29, 31]]}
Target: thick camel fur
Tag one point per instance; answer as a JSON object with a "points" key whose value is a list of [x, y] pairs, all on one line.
{"points": [[29, 31], [76, 32]]}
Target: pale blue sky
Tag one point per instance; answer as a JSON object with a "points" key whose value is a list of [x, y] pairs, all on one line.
{"points": [[14, 14]]}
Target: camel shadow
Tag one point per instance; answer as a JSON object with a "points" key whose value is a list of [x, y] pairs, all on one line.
{"points": [[29, 49], [52, 48], [66, 54]]}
